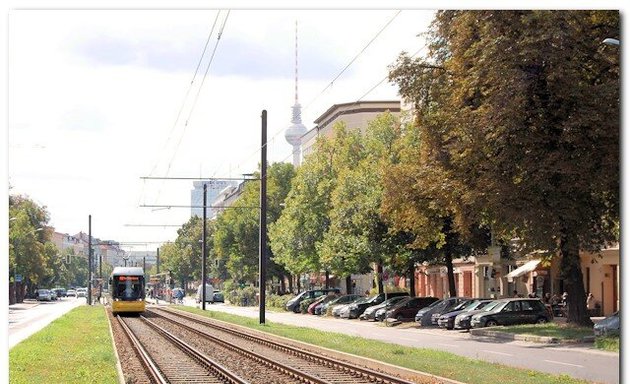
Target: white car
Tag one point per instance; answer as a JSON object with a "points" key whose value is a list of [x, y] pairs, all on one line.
{"points": [[81, 292], [44, 295], [71, 293]]}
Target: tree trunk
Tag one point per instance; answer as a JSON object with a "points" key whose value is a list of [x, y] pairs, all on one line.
{"points": [[571, 272], [327, 279], [448, 256], [379, 277], [297, 283], [412, 278], [283, 284], [349, 284]]}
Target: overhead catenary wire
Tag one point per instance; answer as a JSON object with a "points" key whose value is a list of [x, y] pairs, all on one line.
{"points": [[279, 131]]}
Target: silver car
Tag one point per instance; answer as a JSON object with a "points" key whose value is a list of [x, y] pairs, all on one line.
{"points": [[44, 295]]}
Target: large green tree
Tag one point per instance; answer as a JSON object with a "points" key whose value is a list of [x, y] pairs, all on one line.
{"points": [[520, 114], [236, 243]]}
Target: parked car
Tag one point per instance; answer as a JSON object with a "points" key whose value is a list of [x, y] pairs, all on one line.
{"points": [[44, 295], [356, 309], [338, 309], [513, 311], [311, 308], [293, 305], [447, 320], [423, 317], [610, 326], [370, 312], [53, 294], [61, 292], [81, 292], [218, 297], [435, 316], [462, 321], [406, 309], [339, 300], [71, 293]]}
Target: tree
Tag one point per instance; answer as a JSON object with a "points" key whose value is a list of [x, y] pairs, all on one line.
{"points": [[28, 234], [521, 121], [237, 228]]}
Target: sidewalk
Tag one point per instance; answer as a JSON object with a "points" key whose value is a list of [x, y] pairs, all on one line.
{"points": [[27, 304]]}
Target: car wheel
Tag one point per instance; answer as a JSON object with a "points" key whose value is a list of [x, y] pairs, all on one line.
{"points": [[541, 320], [399, 317], [491, 323]]}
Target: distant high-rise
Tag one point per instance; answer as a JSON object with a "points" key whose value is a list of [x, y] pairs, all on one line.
{"points": [[295, 131], [214, 187]]}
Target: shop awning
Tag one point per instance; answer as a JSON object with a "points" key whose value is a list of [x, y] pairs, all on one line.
{"points": [[523, 269]]}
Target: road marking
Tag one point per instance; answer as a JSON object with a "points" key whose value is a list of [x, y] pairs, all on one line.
{"points": [[448, 345], [498, 353], [558, 362]]}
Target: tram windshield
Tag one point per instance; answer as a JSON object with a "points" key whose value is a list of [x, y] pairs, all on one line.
{"points": [[128, 287]]}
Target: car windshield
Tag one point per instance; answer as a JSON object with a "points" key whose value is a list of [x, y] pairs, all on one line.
{"points": [[394, 300], [460, 306], [494, 305]]}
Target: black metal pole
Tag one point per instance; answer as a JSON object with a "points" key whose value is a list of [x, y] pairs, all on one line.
{"points": [[203, 251], [263, 219], [89, 287], [158, 260], [100, 266]]}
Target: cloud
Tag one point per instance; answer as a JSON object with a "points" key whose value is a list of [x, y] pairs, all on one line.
{"points": [[233, 57]]}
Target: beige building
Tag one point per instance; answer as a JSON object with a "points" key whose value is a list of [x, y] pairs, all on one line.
{"points": [[355, 115]]}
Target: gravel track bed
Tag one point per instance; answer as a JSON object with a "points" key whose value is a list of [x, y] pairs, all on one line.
{"points": [[242, 366], [176, 365], [315, 369], [131, 365]]}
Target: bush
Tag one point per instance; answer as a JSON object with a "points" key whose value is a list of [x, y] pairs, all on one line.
{"points": [[243, 297], [277, 301]]}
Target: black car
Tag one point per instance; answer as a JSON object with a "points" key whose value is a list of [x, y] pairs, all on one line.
{"points": [[447, 320], [423, 317], [293, 305], [356, 309], [511, 312], [406, 308], [370, 312], [609, 326], [462, 321]]}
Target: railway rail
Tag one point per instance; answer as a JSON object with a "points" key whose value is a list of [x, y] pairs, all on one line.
{"points": [[301, 365], [168, 359]]}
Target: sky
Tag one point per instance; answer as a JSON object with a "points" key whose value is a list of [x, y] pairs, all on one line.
{"points": [[99, 99]]}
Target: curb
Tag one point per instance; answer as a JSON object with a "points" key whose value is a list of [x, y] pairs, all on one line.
{"points": [[530, 338]]}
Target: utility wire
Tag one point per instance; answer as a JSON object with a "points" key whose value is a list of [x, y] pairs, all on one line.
{"points": [[245, 159]]}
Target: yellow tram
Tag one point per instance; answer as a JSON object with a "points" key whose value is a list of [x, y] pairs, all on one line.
{"points": [[127, 290]]}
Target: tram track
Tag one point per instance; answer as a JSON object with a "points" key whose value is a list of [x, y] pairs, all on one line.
{"points": [[316, 368], [168, 359]]}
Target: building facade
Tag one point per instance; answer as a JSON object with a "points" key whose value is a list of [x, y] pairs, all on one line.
{"points": [[214, 187]]}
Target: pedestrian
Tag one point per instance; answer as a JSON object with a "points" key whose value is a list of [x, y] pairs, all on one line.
{"points": [[590, 302], [547, 298]]}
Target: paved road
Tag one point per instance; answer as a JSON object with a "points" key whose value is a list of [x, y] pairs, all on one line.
{"points": [[579, 361], [29, 317]]}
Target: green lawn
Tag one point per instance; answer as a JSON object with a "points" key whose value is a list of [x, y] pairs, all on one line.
{"points": [[421, 359], [76, 348]]}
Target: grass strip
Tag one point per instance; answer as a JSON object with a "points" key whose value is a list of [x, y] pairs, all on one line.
{"points": [[75, 348], [431, 361], [610, 344], [560, 331]]}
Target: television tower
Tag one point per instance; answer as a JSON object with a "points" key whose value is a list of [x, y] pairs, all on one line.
{"points": [[295, 131]]}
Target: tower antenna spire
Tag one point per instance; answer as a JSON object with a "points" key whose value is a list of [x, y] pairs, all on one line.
{"points": [[296, 61], [295, 131]]}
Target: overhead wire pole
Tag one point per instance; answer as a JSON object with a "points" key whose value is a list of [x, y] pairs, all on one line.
{"points": [[263, 219], [89, 287], [203, 251]]}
